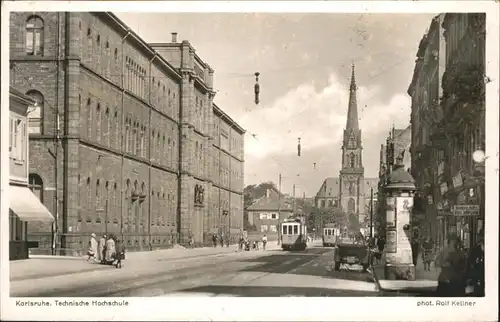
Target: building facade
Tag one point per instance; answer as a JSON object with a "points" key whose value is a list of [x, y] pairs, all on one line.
{"points": [[448, 123], [124, 131], [267, 213], [24, 204], [350, 190]]}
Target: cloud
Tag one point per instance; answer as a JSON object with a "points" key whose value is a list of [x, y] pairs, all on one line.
{"points": [[318, 117]]}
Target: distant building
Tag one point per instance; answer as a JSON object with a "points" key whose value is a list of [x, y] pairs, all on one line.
{"points": [[267, 212], [25, 206], [350, 190]]}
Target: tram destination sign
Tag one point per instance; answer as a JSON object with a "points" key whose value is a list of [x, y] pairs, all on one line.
{"points": [[466, 210]]}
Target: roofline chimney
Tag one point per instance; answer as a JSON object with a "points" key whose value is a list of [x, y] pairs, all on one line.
{"points": [[174, 37]]}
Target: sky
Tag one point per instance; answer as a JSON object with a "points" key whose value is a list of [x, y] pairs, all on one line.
{"points": [[304, 62]]}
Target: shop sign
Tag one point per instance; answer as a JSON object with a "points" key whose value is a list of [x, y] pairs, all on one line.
{"points": [[466, 210]]}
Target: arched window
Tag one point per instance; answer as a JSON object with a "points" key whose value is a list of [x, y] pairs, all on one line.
{"points": [[35, 184], [89, 200], [352, 160], [35, 115], [107, 130], [351, 206], [98, 200], [34, 36], [98, 119], [89, 118], [115, 215]]}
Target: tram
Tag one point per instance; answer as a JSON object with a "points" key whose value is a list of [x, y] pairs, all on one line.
{"points": [[293, 234], [331, 234]]}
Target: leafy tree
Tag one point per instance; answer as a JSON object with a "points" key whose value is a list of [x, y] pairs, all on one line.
{"points": [[319, 217]]}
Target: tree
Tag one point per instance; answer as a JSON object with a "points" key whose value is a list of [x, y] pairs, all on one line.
{"points": [[319, 217]]}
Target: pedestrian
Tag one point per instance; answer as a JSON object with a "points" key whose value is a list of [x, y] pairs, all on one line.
{"points": [[241, 242], [475, 268], [221, 240], [110, 249], [214, 240], [93, 248], [264, 241], [427, 254], [119, 253], [415, 249], [102, 246], [453, 263]]}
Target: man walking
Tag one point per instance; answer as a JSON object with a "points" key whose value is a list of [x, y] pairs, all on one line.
{"points": [[264, 241]]}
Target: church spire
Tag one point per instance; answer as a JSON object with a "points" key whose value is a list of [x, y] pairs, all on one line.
{"points": [[352, 112]]}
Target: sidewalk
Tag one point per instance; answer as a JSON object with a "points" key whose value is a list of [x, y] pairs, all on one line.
{"points": [[426, 281], [38, 266]]}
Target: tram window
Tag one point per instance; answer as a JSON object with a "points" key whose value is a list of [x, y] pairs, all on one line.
{"points": [[284, 229], [328, 232], [295, 229], [290, 230]]}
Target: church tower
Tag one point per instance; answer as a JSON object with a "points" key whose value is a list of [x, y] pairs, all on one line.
{"points": [[352, 172]]}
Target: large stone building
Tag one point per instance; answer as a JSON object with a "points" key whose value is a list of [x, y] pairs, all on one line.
{"points": [[24, 204], [126, 138], [350, 190], [448, 120]]}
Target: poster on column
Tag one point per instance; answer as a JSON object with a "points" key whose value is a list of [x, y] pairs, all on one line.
{"points": [[403, 209]]}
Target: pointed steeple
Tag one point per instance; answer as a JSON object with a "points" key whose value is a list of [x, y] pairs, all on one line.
{"points": [[352, 111]]}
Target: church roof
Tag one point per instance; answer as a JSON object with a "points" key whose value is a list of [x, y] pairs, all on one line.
{"points": [[329, 188], [352, 111], [270, 202]]}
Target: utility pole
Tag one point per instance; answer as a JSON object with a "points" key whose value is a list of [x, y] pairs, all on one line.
{"points": [[371, 212], [293, 196], [279, 209]]}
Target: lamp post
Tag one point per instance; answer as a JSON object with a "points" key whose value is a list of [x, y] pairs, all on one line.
{"points": [[400, 191]]}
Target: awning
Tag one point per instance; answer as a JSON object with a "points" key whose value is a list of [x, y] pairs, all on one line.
{"points": [[27, 206]]}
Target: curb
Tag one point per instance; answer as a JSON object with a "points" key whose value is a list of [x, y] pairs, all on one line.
{"points": [[426, 291]]}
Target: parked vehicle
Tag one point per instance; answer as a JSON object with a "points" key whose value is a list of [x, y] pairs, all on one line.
{"points": [[351, 254]]}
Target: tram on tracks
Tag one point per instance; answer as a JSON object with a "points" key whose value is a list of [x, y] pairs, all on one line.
{"points": [[293, 234], [331, 235]]}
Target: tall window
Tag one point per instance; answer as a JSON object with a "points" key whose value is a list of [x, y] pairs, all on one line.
{"points": [[352, 159], [34, 36], [35, 114], [98, 121], [89, 118]]}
